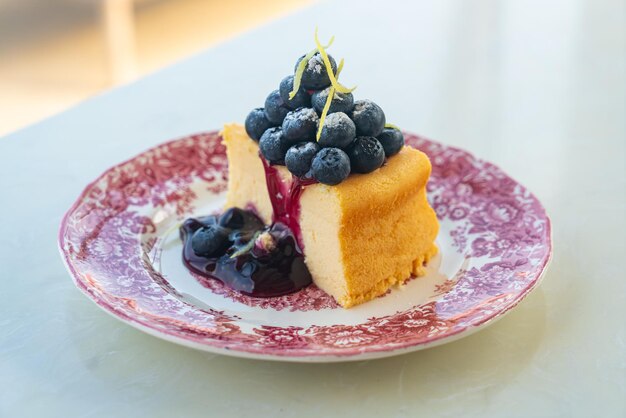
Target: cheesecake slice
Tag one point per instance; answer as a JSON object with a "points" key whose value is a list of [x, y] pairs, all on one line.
{"points": [[359, 237]]}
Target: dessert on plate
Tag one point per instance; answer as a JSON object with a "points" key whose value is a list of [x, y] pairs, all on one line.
{"points": [[320, 190]]}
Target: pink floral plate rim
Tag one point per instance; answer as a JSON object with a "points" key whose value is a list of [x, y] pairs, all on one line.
{"points": [[104, 237]]}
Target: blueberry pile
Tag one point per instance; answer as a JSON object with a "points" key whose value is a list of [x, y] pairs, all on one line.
{"points": [[352, 139]]}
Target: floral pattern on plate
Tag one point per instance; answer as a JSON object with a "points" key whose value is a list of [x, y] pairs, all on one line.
{"points": [[113, 237]]}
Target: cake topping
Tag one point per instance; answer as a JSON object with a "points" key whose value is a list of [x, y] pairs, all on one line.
{"points": [[257, 123], [368, 117], [300, 99], [392, 140], [328, 62], [391, 125], [341, 102], [338, 131], [315, 75], [331, 94], [330, 166], [366, 154], [273, 145], [335, 86], [275, 109], [299, 157], [312, 106], [302, 64], [300, 124]]}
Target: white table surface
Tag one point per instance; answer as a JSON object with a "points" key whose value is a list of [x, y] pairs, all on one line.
{"points": [[536, 87]]}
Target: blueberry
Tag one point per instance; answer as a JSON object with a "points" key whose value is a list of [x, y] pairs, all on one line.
{"points": [[206, 220], [299, 157], [338, 131], [236, 218], [330, 166], [257, 123], [300, 125], [315, 76], [342, 102], [301, 99], [272, 145], [368, 118], [275, 109], [366, 154], [392, 141], [210, 241]]}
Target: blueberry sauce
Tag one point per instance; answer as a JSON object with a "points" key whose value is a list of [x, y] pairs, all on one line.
{"points": [[259, 262], [285, 198]]}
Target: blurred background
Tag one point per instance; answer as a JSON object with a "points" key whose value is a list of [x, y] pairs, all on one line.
{"points": [[55, 53]]}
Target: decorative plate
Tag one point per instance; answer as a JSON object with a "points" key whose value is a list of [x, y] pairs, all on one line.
{"points": [[121, 246]]}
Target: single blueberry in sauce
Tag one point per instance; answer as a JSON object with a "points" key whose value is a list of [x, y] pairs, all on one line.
{"points": [[257, 123], [236, 218], [315, 75], [299, 157], [366, 154], [267, 263], [275, 109], [210, 241], [338, 131], [368, 118], [392, 141], [301, 99], [330, 166], [207, 220], [341, 102]]}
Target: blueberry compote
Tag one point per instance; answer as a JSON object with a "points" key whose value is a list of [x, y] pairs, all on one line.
{"points": [[285, 198], [245, 254]]}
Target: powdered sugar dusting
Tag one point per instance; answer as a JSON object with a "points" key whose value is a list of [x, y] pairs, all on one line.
{"points": [[304, 114], [335, 120], [316, 64], [359, 107], [338, 96]]}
